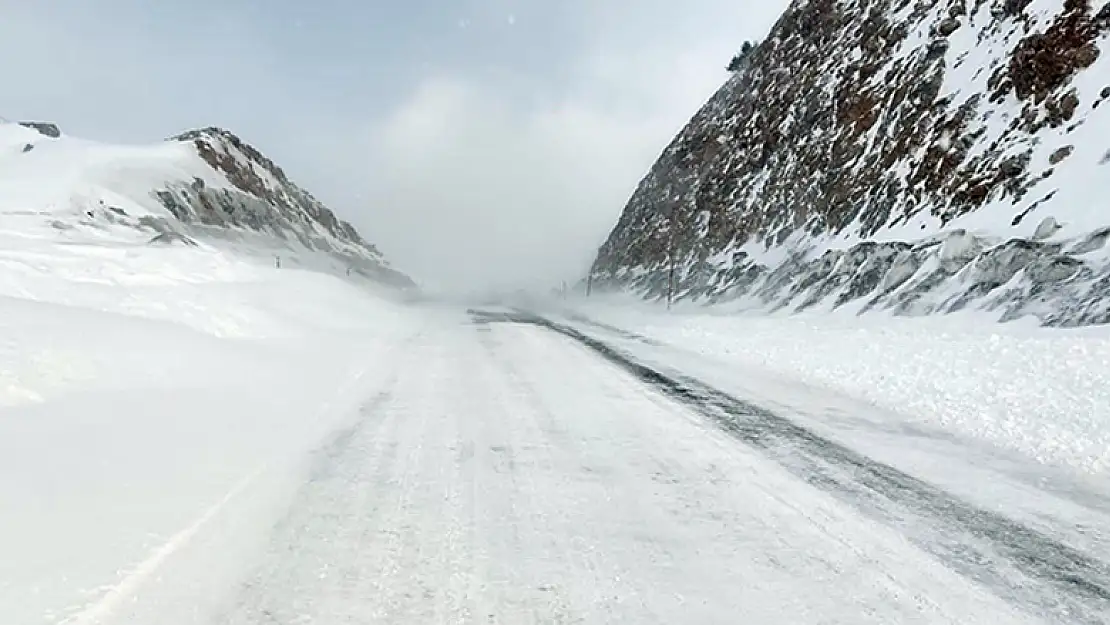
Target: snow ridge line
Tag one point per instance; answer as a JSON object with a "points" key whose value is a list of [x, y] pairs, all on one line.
{"points": [[1046, 577], [96, 613]]}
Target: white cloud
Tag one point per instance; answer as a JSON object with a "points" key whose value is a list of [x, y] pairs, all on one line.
{"points": [[475, 187]]}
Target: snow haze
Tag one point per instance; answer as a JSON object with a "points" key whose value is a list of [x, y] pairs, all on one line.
{"points": [[484, 144]]}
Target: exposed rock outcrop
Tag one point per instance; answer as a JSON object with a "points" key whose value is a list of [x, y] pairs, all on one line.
{"points": [[44, 128], [263, 199], [846, 155], [202, 186]]}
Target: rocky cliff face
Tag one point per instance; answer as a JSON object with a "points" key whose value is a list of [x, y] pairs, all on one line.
{"points": [[920, 156], [262, 198]]}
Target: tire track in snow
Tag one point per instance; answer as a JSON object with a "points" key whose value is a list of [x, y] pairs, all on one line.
{"points": [[1044, 576], [345, 551]]}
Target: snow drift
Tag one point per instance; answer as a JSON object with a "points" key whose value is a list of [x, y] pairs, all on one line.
{"points": [[153, 359]]}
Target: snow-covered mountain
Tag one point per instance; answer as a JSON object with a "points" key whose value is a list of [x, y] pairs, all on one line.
{"points": [[203, 183], [914, 156]]}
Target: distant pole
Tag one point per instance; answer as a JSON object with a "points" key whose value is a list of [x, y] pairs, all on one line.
{"points": [[589, 282]]}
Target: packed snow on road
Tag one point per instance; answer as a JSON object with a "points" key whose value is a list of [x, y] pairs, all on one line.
{"points": [[192, 435]]}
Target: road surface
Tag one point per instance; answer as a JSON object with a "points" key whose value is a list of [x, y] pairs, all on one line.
{"points": [[508, 472]]}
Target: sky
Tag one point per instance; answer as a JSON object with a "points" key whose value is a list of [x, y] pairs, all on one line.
{"points": [[480, 144]]}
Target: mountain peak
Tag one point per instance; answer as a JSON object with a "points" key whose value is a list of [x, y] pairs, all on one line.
{"points": [[208, 131], [195, 184], [213, 140]]}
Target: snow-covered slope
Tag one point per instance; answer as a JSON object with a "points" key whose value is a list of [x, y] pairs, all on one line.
{"points": [[153, 357], [202, 183], [916, 156], [141, 384]]}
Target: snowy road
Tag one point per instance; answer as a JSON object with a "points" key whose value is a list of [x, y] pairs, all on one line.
{"points": [[500, 468], [506, 473]]}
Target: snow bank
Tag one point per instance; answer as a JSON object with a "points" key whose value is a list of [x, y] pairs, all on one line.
{"points": [[141, 385], [1043, 393]]}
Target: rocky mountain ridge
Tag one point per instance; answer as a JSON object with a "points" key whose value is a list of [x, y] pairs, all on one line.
{"points": [[205, 182], [262, 198], [912, 155]]}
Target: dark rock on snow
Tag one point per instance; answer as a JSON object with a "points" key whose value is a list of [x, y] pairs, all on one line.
{"points": [[43, 128], [830, 167]]}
